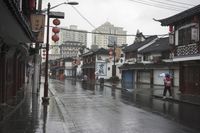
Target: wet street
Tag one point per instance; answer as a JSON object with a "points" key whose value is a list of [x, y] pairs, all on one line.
{"points": [[89, 108], [84, 108]]}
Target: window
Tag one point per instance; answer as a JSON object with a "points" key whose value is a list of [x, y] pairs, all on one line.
{"points": [[146, 58], [185, 36]]}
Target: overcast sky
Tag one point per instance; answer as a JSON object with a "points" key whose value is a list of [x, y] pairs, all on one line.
{"points": [[129, 14]]}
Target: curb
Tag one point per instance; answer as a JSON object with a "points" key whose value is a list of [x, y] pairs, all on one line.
{"points": [[175, 100], [61, 108], [167, 99]]}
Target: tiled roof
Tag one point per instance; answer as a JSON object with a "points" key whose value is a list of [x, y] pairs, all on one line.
{"points": [[98, 51], [162, 44], [137, 45], [101, 51], [180, 16]]}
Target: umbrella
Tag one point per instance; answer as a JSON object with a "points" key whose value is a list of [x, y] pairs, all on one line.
{"points": [[162, 74]]}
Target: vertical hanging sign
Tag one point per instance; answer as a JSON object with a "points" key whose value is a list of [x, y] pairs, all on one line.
{"points": [[37, 25]]}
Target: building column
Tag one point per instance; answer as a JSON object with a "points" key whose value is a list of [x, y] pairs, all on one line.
{"points": [[15, 75], [4, 50], [36, 74]]}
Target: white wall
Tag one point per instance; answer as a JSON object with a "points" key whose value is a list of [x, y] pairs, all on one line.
{"points": [[176, 77], [158, 80], [109, 65]]}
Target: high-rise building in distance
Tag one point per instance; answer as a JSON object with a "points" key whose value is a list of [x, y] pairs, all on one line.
{"points": [[70, 42], [73, 34], [103, 40]]}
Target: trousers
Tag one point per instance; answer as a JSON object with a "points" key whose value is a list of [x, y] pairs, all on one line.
{"points": [[167, 88]]}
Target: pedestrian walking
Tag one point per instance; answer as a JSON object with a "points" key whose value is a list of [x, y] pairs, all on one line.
{"points": [[167, 85]]}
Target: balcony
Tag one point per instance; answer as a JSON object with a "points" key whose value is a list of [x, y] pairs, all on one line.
{"points": [[187, 50]]}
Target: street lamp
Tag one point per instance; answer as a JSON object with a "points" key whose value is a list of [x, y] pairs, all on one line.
{"points": [[45, 99]]}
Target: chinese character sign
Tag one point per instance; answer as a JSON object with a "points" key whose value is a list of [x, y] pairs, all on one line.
{"points": [[101, 68], [37, 25]]}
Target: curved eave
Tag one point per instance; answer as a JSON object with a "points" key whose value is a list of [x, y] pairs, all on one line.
{"points": [[180, 16]]}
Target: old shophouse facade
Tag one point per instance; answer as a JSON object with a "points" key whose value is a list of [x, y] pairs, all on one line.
{"points": [[16, 39], [145, 60], [98, 63], [184, 34]]}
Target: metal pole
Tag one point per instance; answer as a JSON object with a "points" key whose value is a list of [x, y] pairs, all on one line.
{"points": [[114, 66], [40, 54], [39, 5], [45, 98], [114, 52]]}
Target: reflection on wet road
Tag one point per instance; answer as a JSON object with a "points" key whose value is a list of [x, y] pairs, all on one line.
{"points": [[87, 108], [107, 110], [33, 117]]}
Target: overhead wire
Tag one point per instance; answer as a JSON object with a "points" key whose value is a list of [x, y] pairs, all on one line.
{"points": [[91, 24], [182, 3], [80, 14], [156, 5], [169, 4], [99, 32]]}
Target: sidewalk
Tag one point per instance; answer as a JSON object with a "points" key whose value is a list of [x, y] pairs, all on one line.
{"points": [[158, 91], [33, 117]]}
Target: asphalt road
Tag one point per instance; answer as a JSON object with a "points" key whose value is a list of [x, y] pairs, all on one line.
{"points": [[78, 108], [90, 109]]}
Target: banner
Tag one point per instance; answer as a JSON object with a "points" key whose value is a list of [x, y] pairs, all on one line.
{"points": [[101, 68], [37, 25]]}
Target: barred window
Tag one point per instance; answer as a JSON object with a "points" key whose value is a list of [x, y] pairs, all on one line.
{"points": [[184, 36]]}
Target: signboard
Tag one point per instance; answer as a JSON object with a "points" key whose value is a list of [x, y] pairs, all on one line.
{"points": [[37, 25], [101, 69], [171, 38], [56, 15], [112, 40], [194, 34]]}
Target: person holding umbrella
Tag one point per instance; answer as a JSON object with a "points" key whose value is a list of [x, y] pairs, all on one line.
{"points": [[167, 85]]}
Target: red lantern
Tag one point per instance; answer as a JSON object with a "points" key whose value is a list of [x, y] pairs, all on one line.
{"points": [[32, 4], [171, 28], [56, 21], [110, 51], [44, 54], [55, 38], [56, 30], [44, 50]]}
